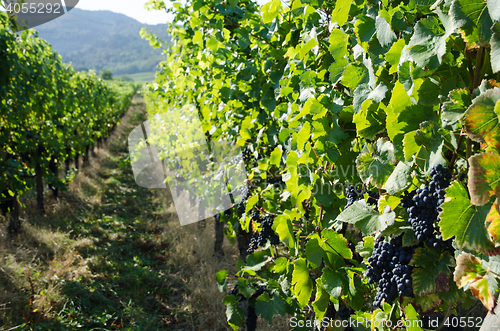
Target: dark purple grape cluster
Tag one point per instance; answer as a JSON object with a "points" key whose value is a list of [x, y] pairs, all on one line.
{"points": [[439, 243], [277, 182], [267, 232], [423, 206], [244, 193], [247, 155], [388, 267], [251, 321], [239, 296], [352, 196], [345, 313]]}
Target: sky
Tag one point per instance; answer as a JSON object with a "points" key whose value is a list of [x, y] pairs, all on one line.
{"points": [[131, 8]]}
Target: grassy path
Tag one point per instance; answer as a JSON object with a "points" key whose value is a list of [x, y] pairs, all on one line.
{"points": [[109, 255]]}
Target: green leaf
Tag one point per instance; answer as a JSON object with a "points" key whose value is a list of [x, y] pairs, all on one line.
{"points": [[495, 47], [474, 20], [482, 119], [404, 116], [275, 158], [370, 120], [432, 266], [425, 145], [338, 44], [303, 135], [399, 180], [385, 35], [366, 219], [267, 307], [282, 225], [221, 277], [484, 179], [454, 109], [307, 47], [412, 318], [303, 285], [377, 164], [314, 252], [394, 55], [365, 29], [470, 274], [234, 314], [428, 43], [493, 223], [354, 75], [332, 282], [270, 11], [341, 12], [320, 304], [494, 9], [332, 242], [465, 221], [337, 69]]}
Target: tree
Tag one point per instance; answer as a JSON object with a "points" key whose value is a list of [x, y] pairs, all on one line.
{"points": [[107, 74]]}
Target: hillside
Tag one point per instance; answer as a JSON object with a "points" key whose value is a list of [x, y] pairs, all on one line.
{"points": [[103, 40]]}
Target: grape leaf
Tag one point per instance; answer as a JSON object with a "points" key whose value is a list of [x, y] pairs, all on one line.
{"points": [[267, 307], [338, 44], [474, 20], [341, 12], [333, 242], [469, 274], [234, 313], [404, 116], [399, 180], [314, 252], [464, 220], [428, 140], [303, 285], [282, 225], [332, 282], [385, 35], [484, 179], [370, 120], [430, 264], [355, 75], [320, 303], [221, 277], [394, 55], [377, 164], [366, 219], [495, 47], [454, 109], [412, 318], [493, 223], [482, 119]]}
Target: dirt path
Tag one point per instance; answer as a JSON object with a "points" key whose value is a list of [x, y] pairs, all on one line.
{"points": [[110, 255]]}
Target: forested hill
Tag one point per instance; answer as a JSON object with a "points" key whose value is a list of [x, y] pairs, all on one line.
{"points": [[103, 40]]}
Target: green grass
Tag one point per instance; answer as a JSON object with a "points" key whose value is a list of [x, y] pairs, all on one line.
{"points": [[111, 231]]}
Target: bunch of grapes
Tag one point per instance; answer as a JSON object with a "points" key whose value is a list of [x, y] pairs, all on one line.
{"points": [[345, 313], [353, 196], [267, 232], [388, 267], [422, 205], [244, 192], [247, 155], [439, 243], [251, 321], [277, 182]]}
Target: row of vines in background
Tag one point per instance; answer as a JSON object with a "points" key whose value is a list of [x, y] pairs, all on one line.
{"points": [[49, 115], [371, 131]]}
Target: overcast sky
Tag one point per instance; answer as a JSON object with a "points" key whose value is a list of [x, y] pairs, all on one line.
{"points": [[132, 8]]}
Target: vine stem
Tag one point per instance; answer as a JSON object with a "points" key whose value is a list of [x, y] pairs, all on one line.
{"points": [[448, 310]]}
